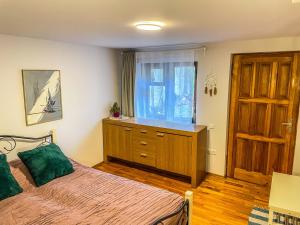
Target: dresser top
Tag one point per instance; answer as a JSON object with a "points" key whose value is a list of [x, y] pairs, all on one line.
{"points": [[160, 124]]}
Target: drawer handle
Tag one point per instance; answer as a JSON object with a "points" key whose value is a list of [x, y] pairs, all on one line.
{"points": [[160, 134], [143, 131], [143, 155], [143, 143], [128, 129]]}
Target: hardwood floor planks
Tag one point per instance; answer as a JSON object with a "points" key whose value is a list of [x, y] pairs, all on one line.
{"points": [[217, 200]]}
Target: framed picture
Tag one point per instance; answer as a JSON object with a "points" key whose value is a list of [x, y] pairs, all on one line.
{"points": [[42, 96]]}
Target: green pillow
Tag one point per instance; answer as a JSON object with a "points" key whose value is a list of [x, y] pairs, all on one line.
{"points": [[46, 163], [8, 184]]}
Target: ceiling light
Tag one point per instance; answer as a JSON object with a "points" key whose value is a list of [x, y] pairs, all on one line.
{"points": [[295, 1], [149, 25]]}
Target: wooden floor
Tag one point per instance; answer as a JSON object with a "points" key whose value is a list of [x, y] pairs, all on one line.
{"points": [[217, 200]]}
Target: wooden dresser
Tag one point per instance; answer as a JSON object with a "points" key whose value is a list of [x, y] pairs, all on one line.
{"points": [[175, 148]]}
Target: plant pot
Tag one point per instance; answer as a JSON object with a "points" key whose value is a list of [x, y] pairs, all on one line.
{"points": [[116, 114]]}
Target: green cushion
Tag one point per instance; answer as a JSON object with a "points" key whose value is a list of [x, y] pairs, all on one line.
{"points": [[8, 184], [46, 163]]}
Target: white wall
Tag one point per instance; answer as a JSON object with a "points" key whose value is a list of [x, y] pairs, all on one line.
{"points": [[89, 79], [213, 110]]}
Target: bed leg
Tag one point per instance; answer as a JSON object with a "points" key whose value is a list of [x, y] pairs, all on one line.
{"points": [[189, 197]]}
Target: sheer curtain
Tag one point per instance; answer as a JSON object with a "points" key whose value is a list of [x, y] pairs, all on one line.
{"points": [[165, 85]]}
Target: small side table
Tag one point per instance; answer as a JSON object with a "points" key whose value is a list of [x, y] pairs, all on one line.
{"points": [[284, 196]]}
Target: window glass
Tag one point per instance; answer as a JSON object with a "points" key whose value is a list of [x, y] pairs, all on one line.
{"points": [[165, 91]]}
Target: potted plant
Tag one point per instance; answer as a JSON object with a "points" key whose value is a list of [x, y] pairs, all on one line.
{"points": [[115, 110]]}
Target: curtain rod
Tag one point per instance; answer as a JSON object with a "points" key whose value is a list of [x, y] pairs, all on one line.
{"points": [[166, 48]]}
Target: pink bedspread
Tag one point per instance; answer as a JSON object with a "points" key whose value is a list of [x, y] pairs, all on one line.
{"points": [[87, 196]]}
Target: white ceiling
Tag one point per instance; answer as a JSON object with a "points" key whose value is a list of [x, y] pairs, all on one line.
{"points": [[110, 23]]}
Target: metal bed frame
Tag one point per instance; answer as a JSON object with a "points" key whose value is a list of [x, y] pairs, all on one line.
{"points": [[182, 215], [11, 141]]}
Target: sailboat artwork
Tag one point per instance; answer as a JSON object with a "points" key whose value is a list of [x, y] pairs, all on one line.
{"points": [[42, 96], [50, 106]]}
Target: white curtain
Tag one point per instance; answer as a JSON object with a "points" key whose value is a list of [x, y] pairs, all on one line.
{"points": [[165, 85]]}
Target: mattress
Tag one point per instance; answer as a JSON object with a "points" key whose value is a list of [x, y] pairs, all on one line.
{"points": [[87, 196]]}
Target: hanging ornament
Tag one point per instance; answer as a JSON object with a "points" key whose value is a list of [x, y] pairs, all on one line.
{"points": [[210, 86], [215, 90]]}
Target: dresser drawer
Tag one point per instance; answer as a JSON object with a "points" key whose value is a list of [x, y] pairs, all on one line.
{"points": [[144, 157], [144, 132], [144, 143]]}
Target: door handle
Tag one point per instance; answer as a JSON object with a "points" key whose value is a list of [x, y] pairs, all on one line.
{"points": [[289, 124], [143, 131], [128, 129], [160, 134], [143, 143], [143, 155]]}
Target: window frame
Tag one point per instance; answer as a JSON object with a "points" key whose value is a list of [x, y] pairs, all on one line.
{"points": [[167, 75]]}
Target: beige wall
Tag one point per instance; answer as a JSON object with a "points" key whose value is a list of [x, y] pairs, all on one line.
{"points": [[213, 110], [89, 85]]}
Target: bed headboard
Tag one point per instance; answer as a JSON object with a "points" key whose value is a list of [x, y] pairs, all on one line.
{"points": [[9, 142]]}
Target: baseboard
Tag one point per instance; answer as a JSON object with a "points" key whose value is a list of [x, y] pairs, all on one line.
{"points": [[98, 164]]}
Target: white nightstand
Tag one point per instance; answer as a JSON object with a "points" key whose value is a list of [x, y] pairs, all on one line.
{"points": [[284, 196]]}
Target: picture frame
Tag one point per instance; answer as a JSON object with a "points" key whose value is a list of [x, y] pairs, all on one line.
{"points": [[42, 96]]}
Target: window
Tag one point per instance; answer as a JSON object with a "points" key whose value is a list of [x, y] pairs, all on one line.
{"points": [[166, 91], [185, 77]]}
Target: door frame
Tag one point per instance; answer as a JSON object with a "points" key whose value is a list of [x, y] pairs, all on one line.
{"points": [[230, 112]]}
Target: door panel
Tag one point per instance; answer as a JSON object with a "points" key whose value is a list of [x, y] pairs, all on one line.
{"points": [[244, 154], [259, 157], [258, 119], [173, 153], [244, 113], [283, 81], [264, 106], [119, 142], [246, 79], [262, 81], [276, 158], [279, 114]]}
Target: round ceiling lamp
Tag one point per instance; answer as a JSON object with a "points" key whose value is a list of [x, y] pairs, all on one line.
{"points": [[149, 25]]}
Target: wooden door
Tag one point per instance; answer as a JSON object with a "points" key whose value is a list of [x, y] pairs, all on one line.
{"points": [[263, 117], [118, 141], [174, 153]]}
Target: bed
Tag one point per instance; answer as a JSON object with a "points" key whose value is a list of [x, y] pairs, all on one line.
{"points": [[88, 196]]}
